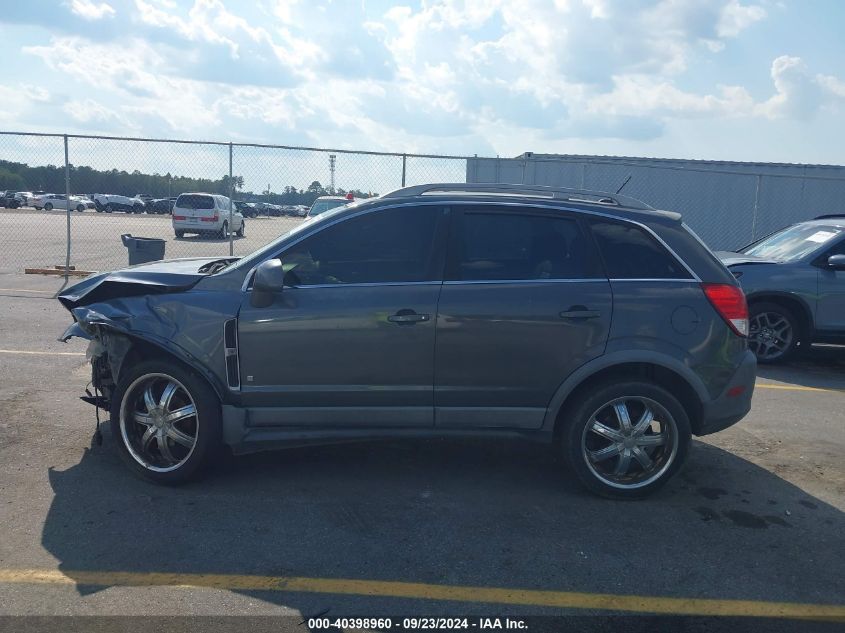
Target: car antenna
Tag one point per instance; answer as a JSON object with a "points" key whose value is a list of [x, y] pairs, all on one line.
{"points": [[624, 182]]}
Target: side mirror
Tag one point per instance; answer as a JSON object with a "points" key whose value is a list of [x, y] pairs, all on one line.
{"points": [[836, 262], [268, 282]]}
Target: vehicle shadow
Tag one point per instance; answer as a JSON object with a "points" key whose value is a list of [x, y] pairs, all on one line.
{"points": [[821, 367], [476, 513]]}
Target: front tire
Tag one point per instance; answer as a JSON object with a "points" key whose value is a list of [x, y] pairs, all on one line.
{"points": [[773, 332], [625, 440], [166, 422], [47, 207], [80, 208]]}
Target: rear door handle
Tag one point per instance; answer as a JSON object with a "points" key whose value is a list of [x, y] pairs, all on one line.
{"points": [[408, 317], [580, 312]]}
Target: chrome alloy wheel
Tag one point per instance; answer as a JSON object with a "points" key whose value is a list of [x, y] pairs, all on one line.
{"points": [[769, 335], [630, 442], [159, 422]]}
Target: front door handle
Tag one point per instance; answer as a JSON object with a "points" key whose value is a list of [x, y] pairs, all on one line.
{"points": [[408, 317], [580, 312]]}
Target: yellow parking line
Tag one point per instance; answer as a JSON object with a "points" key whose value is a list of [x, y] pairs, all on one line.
{"points": [[27, 352], [424, 591], [761, 385]]}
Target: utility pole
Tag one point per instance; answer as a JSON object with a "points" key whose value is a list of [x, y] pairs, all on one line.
{"points": [[332, 159]]}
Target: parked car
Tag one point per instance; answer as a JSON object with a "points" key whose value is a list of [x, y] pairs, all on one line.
{"points": [[206, 214], [587, 321], [143, 196], [247, 209], [51, 201], [795, 283], [160, 206], [10, 200], [109, 202], [327, 203]]}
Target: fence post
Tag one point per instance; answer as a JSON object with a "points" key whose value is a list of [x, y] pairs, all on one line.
{"points": [[404, 164], [67, 210], [231, 195], [756, 206]]}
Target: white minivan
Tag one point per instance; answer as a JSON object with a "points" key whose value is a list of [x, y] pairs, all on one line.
{"points": [[204, 214]]}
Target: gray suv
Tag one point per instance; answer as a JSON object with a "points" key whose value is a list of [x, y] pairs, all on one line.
{"points": [[795, 283], [585, 320]]}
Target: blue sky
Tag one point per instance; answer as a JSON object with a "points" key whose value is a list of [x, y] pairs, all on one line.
{"points": [[714, 79]]}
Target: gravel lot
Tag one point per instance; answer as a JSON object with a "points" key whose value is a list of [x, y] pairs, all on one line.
{"points": [[757, 514]]}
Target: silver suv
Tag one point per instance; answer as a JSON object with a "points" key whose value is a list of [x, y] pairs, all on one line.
{"points": [[585, 320]]}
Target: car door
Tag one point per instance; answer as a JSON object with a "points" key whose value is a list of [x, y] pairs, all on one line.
{"points": [[830, 305], [524, 304], [350, 340]]}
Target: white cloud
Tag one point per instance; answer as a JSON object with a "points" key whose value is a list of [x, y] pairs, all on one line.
{"points": [[736, 17], [92, 10], [797, 93]]}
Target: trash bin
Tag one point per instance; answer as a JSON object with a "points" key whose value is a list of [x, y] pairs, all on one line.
{"points": [[143, 249]]}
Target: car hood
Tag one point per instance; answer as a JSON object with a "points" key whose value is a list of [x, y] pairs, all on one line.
{"points": [[173, 275], [733, 259]]}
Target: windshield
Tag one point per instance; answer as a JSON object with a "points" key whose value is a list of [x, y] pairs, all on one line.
{"points": [[793, 242], [321, 206]]}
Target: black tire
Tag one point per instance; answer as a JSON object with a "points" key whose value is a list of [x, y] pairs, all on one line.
{"points": [[109, 208], [204, 427], [80, 208], [180, 234], [241, 231], [48, 207], [223, 233], [774, 332], [597, 406]]}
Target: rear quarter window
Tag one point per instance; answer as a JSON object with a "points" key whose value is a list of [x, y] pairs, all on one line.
{"points": [[629, 252]]}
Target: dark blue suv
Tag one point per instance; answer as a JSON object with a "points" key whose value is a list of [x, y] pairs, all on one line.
{"points": [[586, 320]]}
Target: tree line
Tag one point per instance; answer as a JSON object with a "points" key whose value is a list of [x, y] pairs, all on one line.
{"points": [[87, 180]]}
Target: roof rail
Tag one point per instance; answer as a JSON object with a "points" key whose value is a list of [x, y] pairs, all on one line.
{"points": [[540, 191]]}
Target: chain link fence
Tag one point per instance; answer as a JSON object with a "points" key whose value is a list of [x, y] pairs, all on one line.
{"points": [[109, 187], [727, 208], [117, 186]]}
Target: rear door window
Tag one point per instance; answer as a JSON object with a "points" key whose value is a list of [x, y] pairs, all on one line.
{"points": [[514, 246], [629, 252]]}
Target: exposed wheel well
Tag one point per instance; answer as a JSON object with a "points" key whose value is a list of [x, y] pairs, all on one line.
{"points": [[142, 350], [795, 305], [648, 372]]}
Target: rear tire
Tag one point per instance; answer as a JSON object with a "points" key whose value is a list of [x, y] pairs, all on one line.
{"points": [[223, 233], [241, 231], [180, 234], [80, 208], [166, 422], [47, 207], [625, 440], [773, 332]]}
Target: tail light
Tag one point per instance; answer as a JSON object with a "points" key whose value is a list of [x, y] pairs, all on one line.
{"points": [[729, 302], [180, 217], [213, 218]]}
